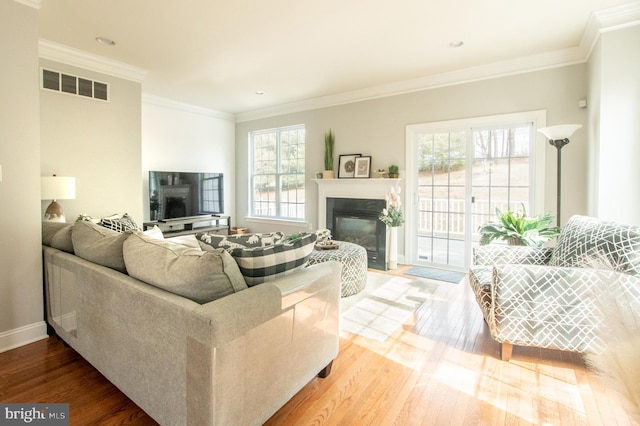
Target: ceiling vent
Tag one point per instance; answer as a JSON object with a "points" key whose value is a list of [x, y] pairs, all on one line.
{"points": [[73, 85]]}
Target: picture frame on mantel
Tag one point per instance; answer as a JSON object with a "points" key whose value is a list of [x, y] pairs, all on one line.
{"points": [[347, 165], [363, 167]]}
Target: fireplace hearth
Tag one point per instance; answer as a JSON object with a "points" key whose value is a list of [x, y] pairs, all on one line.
{"points": [[356, 221]]}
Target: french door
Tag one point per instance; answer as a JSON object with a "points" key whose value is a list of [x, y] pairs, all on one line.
{"points": [[458, 174]]}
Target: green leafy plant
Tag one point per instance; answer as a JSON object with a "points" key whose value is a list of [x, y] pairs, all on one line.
{"points": [[518, 229], [393, 169], [329, 142]]}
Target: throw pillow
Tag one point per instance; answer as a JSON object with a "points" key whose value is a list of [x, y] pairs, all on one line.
{"points": [[230, 242], [99, 245], [119, 223], [186, 240], [57, 235], [154, 232], [263, 264], [201, 276]]}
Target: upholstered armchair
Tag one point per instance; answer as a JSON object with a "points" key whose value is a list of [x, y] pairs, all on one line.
{"points": [[546, 297]]}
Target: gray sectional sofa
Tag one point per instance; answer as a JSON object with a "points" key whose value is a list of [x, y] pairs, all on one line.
{"points": [[234, 360]]}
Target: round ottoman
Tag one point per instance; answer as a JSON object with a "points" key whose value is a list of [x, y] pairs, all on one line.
{"points": [[354, 265]]}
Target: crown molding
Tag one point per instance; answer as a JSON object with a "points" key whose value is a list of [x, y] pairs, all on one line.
{"points": [[148, 98], [499, 69], [601, 21], [79, 58], [36, 4]]}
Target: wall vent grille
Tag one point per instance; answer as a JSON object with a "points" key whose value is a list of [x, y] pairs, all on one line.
{"points": [[73, 85]]}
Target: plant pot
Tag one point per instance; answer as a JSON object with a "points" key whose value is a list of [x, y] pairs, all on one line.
{"points": [[328, 174], [513, 241], [394, 175]]}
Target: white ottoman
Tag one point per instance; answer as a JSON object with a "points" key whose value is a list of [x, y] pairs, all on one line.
{"points": [[354, 265]]}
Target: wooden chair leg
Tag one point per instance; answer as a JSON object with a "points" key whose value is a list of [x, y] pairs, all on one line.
{"points": [[505, 351], [325, 371]]}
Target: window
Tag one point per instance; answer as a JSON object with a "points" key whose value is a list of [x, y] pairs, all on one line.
{"points": [[277, 173]]}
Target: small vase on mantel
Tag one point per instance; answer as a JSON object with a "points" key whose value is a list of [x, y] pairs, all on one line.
{"points": [[328, 174], [393, 248]]}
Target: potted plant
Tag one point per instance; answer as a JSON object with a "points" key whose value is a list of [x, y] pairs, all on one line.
{"points": [[393, 171], [329, 142], [518, 229]]}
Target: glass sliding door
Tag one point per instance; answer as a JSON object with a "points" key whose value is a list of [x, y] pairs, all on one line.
{"points": [[442, 188], [501, 172], [457, 176]]}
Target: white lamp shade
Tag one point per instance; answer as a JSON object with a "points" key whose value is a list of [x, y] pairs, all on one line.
{"points": [[563, 131], [58, 188]]}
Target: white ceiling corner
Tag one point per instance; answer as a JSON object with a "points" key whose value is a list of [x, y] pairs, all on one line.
{"points": [[75, 57]]}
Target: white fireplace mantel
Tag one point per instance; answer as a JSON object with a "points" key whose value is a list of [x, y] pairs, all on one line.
{"points": [[373, 189]]}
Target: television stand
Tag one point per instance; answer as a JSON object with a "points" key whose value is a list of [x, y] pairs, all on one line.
{"points": [[219, 224]]}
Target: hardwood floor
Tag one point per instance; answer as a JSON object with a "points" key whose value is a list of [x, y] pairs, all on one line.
{"points": [[441, 368]]}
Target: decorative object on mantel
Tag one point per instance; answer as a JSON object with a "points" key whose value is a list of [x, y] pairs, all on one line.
{"points": [[56, 188], [393, 217], [518, 229], [363, 167], [393, 171], [347, 165], [380, 173], [329, 143]]}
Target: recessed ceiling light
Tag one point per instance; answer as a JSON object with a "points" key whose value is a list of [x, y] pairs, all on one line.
{"points": [[456, 43], [106, 41], [259, 92]]}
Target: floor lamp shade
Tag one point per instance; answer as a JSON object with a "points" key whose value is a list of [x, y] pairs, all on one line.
{"points": [[57, 188]]}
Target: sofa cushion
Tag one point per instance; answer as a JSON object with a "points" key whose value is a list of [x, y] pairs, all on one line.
{"points": [[589, 242], [230, 242], [57, 235], [99, 245], [262, 264], [201, 276]]}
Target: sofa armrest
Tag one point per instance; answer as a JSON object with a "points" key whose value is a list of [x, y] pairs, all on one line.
{"points": [[234, 315], [502, 255]]}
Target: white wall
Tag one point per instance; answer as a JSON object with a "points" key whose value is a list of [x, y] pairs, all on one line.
{"points": [[377, 128], [177, 137], [21, 312], [617, 147], [97, 142]]}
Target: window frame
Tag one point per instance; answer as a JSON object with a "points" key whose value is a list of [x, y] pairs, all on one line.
{"points": [[278, 175]]}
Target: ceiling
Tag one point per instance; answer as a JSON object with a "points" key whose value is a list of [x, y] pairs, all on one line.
{"points": [[217, 54]]}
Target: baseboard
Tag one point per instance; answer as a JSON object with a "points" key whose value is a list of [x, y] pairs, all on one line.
{"points": [[22, 336]]}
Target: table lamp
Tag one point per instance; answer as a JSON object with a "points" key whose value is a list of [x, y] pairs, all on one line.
{"points": [[57, 188]]}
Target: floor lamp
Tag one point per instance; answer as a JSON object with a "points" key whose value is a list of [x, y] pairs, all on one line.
{"points": [[559, 136]]}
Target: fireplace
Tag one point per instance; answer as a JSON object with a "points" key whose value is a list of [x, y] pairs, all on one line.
{"points": [[356, 221]]}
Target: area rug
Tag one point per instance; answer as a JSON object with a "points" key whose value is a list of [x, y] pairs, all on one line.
{"points": [[383, 306], [436, 274]]}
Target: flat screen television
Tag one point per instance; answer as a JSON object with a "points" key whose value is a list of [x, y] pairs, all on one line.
{"points": [[178, 195]]}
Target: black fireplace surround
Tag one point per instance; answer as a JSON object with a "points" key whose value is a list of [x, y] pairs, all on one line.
{"points": [[356, 221]]}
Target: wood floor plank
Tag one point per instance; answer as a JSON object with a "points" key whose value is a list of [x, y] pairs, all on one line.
{"points": [[442, 367]]}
